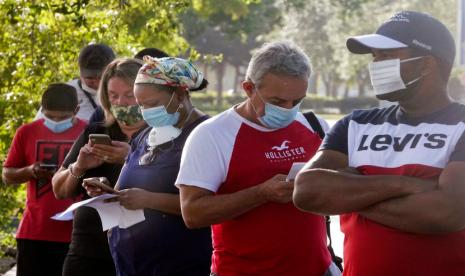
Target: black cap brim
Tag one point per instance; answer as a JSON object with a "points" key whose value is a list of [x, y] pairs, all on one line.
{"points": [[363, 44]]}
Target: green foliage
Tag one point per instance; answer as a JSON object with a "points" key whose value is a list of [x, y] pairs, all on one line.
{"points": [[322, 28], [230, 28]]}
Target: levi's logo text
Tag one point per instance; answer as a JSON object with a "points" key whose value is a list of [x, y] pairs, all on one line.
{"points": [[382, 142], [285, 152]]}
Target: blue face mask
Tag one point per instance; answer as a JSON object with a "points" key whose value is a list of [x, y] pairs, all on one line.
{"points": [[159, 117], [277, 117], [58, 127]]}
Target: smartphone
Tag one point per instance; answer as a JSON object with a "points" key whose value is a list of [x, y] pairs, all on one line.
{"points": [[295, 169], [48, 167], [97, 183], [102, 139]]}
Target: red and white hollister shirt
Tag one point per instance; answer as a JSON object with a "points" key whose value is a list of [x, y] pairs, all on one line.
{"points": [[385, 142], [226, 154]]}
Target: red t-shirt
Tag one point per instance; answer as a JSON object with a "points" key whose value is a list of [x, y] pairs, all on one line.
{"points": [[387, 142], [35, 142], [227, 154]]}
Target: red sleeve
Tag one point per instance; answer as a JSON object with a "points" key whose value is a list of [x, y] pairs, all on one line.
{"points": [[16, 156]]}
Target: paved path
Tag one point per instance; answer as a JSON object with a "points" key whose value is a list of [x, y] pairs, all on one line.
{"points": [[11, 272]]}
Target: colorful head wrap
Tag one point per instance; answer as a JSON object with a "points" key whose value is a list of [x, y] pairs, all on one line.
{"points": [[169, 71]]}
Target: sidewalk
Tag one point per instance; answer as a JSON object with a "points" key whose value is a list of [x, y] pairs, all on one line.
{"points": [[11, 272]]}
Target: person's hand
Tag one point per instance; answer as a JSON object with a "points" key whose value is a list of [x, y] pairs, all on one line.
{"points": [[39, 173], [133, 198], [115, 154], [86, 160], [93, 190], [277, 189]]}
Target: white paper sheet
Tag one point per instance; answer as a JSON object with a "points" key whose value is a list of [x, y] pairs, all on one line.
{"points": [[111, 213], [296, 167]]}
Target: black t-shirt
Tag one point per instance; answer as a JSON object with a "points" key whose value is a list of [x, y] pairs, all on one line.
{"points": [[88, 239]]}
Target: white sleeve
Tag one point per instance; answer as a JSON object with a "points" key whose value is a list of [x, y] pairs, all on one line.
{"points": [[202, 162]]}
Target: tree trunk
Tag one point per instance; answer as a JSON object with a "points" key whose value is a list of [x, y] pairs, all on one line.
{"points": [[334, 87], [327, 84], [313, 84], [220, 68], [236, 78], [361, 83], [346, 90]]}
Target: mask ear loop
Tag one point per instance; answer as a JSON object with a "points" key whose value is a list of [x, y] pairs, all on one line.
{"points": [[415, 80], [421, 75], [411, 59], [253, 106], [179, 106]]}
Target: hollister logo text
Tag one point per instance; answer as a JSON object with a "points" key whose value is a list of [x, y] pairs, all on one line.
{"points": [[284, 152], [385, 141]]}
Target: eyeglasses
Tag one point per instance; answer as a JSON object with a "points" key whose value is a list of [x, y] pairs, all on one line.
{"points": [[152, 153]]}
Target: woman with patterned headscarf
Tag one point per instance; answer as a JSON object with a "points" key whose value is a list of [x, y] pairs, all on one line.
{"points": [[161, 244]]}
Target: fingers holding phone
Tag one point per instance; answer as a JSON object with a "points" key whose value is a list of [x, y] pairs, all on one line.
{"points": [[96, 186], [97, 140], [114, 153], [86, 159], [43, 170]]}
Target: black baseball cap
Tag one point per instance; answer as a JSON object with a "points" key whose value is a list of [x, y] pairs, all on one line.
{"points": [[408, 29], [93, 58]]}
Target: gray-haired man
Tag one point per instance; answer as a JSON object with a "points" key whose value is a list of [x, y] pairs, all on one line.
{"points": [[233, 174]]}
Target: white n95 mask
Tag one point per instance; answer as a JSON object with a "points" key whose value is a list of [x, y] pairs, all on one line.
{"points": [[385, 75], [161, 135]]}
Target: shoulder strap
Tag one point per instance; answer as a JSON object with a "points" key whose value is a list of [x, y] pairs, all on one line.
{"points": [[88, 95], [316, 126], [314, 123]]}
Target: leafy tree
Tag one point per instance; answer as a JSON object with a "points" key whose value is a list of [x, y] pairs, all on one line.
{"points": [[322, 28], [231, 33]]}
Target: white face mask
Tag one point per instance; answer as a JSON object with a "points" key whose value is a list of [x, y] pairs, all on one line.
{"points": [[88, 89], [161, 135], [385, 75]]}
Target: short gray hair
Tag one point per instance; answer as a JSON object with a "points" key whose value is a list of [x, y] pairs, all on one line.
{"points": [[279, 58]]}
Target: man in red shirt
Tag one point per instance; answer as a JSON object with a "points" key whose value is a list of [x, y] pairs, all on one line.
{"points": [[37, 150], [405, 213], [233, 174]]}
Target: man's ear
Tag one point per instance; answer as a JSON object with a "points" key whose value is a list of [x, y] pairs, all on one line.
{"points": [[248, 87], [430, 65]]}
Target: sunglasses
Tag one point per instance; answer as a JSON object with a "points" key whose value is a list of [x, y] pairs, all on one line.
{"points": [[153, 152]]}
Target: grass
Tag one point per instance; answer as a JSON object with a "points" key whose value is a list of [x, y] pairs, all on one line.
{"points": [[331, 116]]}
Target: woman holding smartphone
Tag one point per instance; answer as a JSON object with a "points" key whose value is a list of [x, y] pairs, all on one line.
{"points": [[161, 244], [100, 151]]}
